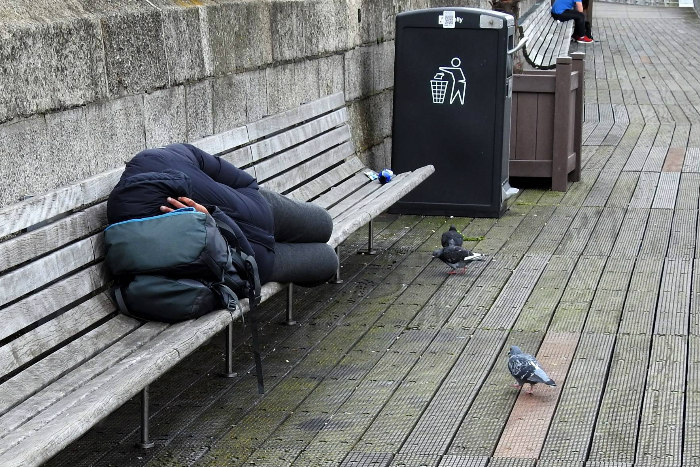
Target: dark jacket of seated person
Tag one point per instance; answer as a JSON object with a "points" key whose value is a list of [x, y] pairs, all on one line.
{"points": [[230, 195]]}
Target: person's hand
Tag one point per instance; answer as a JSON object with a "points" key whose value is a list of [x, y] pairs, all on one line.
{"points": [[183, 202]]}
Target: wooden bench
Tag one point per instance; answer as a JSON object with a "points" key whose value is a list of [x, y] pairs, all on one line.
{"points": [[546, 38], [68, 358]]}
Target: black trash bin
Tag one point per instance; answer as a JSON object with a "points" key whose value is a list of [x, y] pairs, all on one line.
{"points": [[452, 102]]}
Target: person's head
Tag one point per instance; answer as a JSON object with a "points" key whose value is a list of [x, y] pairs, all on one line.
{"points": [[143, 194]]}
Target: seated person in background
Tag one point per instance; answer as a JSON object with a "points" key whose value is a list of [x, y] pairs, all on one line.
{"points": [[286, 237], [565, 10]]}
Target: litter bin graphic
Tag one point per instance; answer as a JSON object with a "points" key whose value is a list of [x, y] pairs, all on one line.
{"points": [[439, 87], [452, 103]]}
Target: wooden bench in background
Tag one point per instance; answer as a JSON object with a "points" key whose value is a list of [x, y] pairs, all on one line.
{"points": [[547, 38], [67, 357]]}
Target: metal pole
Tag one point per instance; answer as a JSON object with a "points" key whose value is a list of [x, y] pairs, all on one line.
{"points": [[290, 298], [337, 279], [370, 237], [145, 443], [228, 350]]}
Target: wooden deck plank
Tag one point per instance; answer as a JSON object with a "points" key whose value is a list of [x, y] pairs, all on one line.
{"points": [[661, 422], [644, 192], [585, 382]]}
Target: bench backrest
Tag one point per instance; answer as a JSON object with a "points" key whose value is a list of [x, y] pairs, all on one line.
{"points": [[548, 38], [54, 304]]}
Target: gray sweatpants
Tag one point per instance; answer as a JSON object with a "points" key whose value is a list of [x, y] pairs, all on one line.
{"points": [[302, 255]]}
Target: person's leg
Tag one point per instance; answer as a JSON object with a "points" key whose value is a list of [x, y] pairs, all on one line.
{"points": [[305, 264], [579, 24], [588, 29], [298, 222], [578, 18]]}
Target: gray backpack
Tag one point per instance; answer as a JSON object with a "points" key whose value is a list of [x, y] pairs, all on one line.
{"points": [[178, 266]]}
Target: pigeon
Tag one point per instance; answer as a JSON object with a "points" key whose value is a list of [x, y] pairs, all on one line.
{"points": [[526, 369], [456, 257], [452, 237]]}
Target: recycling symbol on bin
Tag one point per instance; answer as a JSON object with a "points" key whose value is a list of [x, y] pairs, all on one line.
{"points": [[449, 78]]}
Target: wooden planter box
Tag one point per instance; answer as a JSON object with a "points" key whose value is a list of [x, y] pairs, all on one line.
{"points": [[546, 118]]}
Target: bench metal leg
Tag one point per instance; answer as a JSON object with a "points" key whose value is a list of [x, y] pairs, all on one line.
{"points": [[145, 442], [290, 298], [370, 236], [337, 279], [228, 350]]}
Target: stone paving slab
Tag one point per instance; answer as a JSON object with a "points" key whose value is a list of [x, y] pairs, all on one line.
{"points": [[405, 365]]}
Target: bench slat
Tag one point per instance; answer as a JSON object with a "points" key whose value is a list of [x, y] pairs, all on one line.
{"points": [[536, 21], [562, 48], [548, 38], [369, 195], [73, 415], [409, 181], [341, 191], [49, 268], [366, 197], [241, 158], [277, 165], [46, 302], [223, 142], [310, 168], [298, 135], [530, 16], [320, 184], [32, 344], [541, 40], [25, 247], [35, 210], [273, 124], [43, 373], [553, 48], [347, 203]]}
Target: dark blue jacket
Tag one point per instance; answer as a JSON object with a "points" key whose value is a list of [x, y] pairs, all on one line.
{"points": [[230, 194]]}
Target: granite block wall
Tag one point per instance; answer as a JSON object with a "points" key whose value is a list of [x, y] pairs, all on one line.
{"points": [[88, 83]]}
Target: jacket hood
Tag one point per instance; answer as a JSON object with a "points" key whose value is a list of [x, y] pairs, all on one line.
{"points": [[143, 194]]}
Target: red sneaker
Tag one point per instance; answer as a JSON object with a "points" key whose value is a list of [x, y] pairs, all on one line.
{"points": [[583, 40]]}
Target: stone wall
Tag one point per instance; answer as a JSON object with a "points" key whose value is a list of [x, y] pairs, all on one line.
{"points": [[88, 83]]}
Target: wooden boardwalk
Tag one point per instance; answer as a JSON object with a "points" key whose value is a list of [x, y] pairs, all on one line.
{"points": [[403, 365]]}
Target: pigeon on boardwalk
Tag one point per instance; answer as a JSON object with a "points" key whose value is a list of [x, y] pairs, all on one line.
{"points": [[456, 257], [526, 369], [452, 237]]}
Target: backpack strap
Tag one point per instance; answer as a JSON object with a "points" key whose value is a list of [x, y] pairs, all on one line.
{"points": [[121, 303], [253, 279], [251, 269], [119, 296], [228, 297], [231, 233], [251, 266]]}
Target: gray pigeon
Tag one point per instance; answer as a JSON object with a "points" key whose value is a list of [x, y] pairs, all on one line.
{"points": [[526, 369], [452, 237], [456, 257]]}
